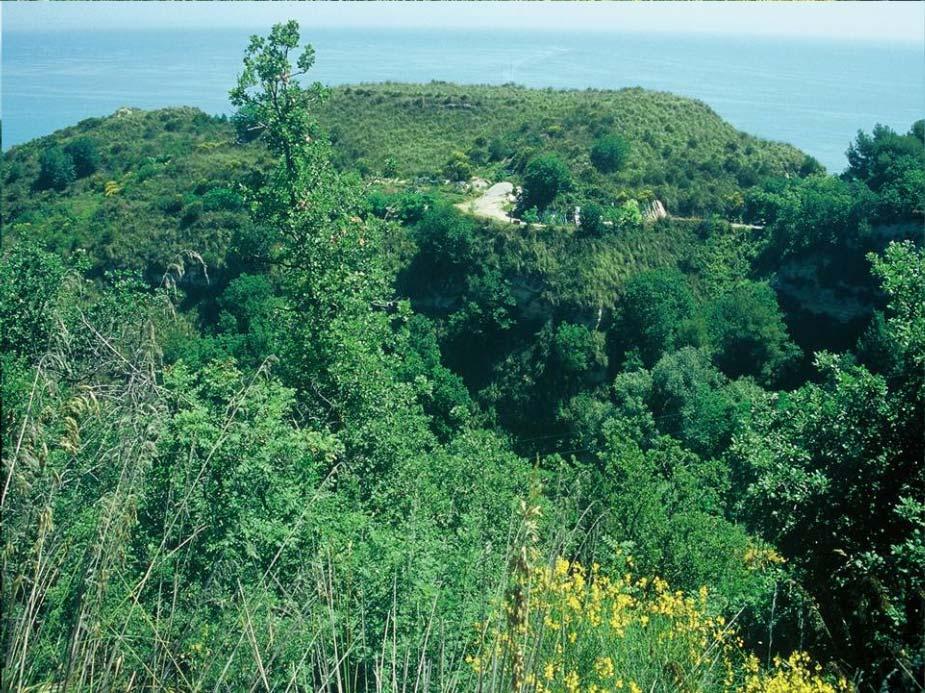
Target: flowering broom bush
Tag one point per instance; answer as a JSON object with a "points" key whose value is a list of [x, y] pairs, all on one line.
{"points": [[563, 627]]}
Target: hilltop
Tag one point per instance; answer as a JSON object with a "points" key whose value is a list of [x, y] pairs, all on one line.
{"points": [[172, 174], [680, 150]]}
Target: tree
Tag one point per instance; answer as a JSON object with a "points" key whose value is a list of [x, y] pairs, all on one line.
{"points": [[269, 92], [901, 271], [893, 166], [809, 213], [689, 402], [609, 153], [446, 241], [85, 155], [747, 332], [457, 167], [844, 457], [871, 157], [592, 219], [30, 282], [828, 476], [56, 169], [666, 504], [652, 309], [576, 351], [545, 177], [340, 351]]}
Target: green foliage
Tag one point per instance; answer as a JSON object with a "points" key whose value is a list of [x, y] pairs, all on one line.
{"points": [[901, 271], [747, 331], [667, 510], [884, 159], [843, 458], [289, 443], [545, 177], [688, 401], [457, 167], [390, 168], [626, 216], [446, 242], [576, 349], [610, 153], [652, 309], [84, 152], [30, 283], [155, 173], [222, 199], [592, 219], [406, 207], [809, 213], [682, 152], [56, 169], [269, 91]]}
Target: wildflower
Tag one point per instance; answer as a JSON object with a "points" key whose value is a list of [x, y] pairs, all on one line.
{"points": [[604, 667], [475, 662]]}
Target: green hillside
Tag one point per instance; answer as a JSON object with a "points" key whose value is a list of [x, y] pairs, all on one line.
{"points": [[286, 414], [176, 171], [680, 150]]}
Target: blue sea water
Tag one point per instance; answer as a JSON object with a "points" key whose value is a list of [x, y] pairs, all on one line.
{"points": [[815, 94]]}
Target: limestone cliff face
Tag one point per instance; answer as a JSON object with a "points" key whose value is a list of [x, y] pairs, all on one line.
{"points": [[831, 297], [654, 211]]}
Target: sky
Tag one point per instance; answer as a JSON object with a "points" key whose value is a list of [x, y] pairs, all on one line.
{"points": [[892, 21]]}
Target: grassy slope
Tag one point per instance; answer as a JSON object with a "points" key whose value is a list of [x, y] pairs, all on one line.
{"points": [[163, 161], [167, 161], [681, 150]]}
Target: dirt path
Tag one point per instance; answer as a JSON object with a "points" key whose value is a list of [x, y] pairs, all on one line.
{"points": [[733, 224], [496, 200], [492, 204]]}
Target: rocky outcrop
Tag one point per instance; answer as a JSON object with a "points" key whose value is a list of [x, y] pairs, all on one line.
{"points": [[653, 211]]}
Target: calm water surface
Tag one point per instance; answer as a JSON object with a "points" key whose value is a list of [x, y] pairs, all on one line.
{"points": [[814, 94]]}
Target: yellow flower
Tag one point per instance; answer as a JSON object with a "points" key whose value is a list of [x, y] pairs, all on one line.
{"points": [[475, 662], [604, 667]]}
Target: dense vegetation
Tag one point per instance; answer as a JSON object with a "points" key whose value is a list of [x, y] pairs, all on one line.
{"points": [[277, 414]]}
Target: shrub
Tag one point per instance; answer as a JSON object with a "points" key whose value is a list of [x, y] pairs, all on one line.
{"points": [[457, 167], [566, 628], [592, 219], [219, 199], [191, 213], [85, 155], [56, 169], [610, 153], [169, 204], [390, 168], [546, 176], [626, 216]]}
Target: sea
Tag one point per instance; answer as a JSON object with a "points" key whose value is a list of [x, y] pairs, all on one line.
{"points": [[813, 93]]}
